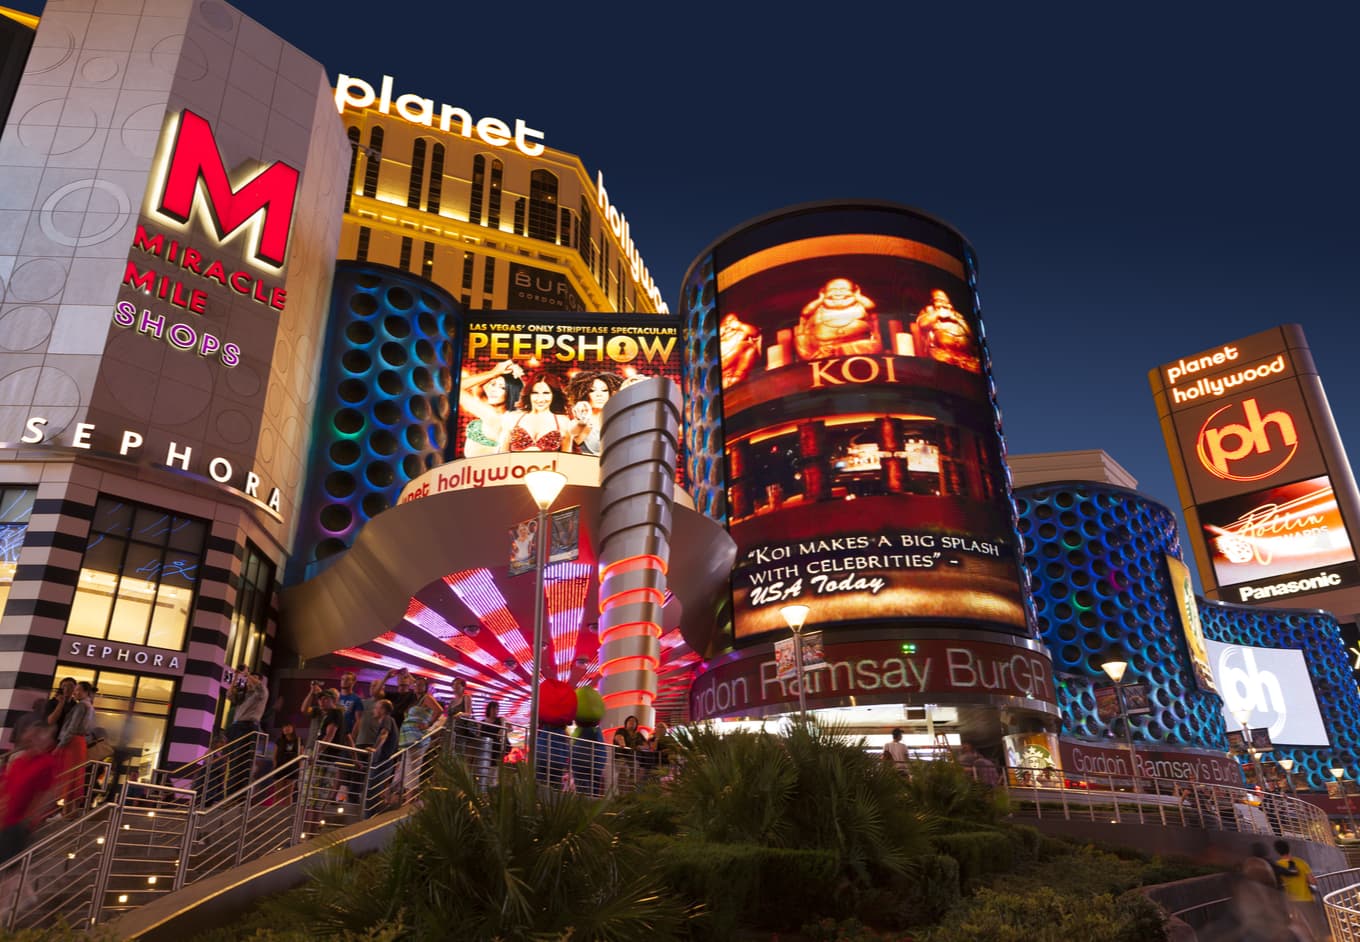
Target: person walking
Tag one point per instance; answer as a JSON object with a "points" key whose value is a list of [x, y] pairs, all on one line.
{"points": [[895, 752], [76, 724], [1299, 886], [28, 787]]}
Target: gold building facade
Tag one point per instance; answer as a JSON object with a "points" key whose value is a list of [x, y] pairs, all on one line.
{"points": [[483, 208]]}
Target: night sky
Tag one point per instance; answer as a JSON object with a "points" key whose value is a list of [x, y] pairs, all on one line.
{"points": [[1140, 183]]}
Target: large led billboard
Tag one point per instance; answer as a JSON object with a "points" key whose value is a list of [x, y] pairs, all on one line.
{"points": [[539, 382], [1187, 609], [1264, 480], [1293, 529], [1273, 685], [864, 473]]}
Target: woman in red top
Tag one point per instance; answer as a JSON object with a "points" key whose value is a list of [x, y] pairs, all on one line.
{"points": [[26, 789], [540, 423]]}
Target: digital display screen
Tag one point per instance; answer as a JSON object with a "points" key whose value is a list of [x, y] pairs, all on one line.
{"points": [[1272, 684], [1276, 532], [539, 382], [864, 474]]}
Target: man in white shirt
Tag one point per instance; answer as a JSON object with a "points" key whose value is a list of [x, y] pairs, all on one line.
{"points": [[896, 753]]}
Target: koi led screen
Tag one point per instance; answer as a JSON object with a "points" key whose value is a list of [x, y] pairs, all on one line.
{"points": [[540, 382], [864, 471]]}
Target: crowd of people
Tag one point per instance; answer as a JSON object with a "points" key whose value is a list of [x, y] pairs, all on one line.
{"points": [[391, 723]]}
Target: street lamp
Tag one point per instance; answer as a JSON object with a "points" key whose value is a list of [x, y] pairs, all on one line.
{"points": [[795, 616], [1114, 669], [1340, 776], [1253, 758], [1288, 766], [544, 486]]}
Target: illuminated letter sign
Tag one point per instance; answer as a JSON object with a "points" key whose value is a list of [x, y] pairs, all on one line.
{"points": [[265, 201], [1218, 447]]}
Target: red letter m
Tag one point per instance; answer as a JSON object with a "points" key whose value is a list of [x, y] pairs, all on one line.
{"points": [[270, 193]]}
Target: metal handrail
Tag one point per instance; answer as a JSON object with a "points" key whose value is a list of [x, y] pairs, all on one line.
{"points": [[1342, 907], [1115, 798]]}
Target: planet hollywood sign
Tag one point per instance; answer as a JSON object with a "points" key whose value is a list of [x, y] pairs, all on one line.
{"points": [[875, 671]]}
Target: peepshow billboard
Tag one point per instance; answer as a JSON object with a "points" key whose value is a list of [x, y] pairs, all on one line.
{"points": [[864, 462], [540, 382]]}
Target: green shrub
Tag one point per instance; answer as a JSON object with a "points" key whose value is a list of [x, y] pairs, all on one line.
{"points": [[509, 863], [943, 789], [746, 885], [650, 810], [808, 787], [920, 897], [1048, 915], [979, 854], [849, 930]]}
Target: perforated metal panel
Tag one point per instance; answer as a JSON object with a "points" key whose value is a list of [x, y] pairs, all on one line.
{"points": [[384, 405], [702, 385], [1096, 561]]}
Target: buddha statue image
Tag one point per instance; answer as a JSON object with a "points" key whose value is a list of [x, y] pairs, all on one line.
{"points": [[944, 335], [738, 345], [837, 323]]}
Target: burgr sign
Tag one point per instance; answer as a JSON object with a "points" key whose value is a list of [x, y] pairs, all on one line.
{"points": [[1274, 686]]}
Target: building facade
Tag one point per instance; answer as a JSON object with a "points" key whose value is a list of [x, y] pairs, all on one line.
{"points": [[483, 208], [168, 227]]}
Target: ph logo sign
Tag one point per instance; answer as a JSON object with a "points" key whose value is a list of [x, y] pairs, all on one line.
{"points": [[259, 202], [1247, 687], [1239, 443]]}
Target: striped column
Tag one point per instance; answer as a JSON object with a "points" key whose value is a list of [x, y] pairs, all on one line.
{"points": [[637, 488], [201, 686], [44, 585]]}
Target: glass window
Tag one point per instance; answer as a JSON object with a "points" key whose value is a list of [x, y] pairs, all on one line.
{"points": [[374, 163], [468, 259], [417, 174], [133, 711], [493, 217], [519, 216], [436, 178], [353, 134], [139, 590], [250, 619], [583, 243], [427, 261], [478, 185], [406, 245], [489, 275], [365, 236], [543, 206], [16, 505]]}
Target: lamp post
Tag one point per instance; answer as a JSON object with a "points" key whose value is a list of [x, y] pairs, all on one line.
{"points": [[1340, 775], [1243, 717], [1288, 766], [795, 616], [1114, 669], [544, 486]]}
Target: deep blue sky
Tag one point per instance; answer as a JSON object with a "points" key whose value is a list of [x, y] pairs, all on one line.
{"points": [[1140, 183]]}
